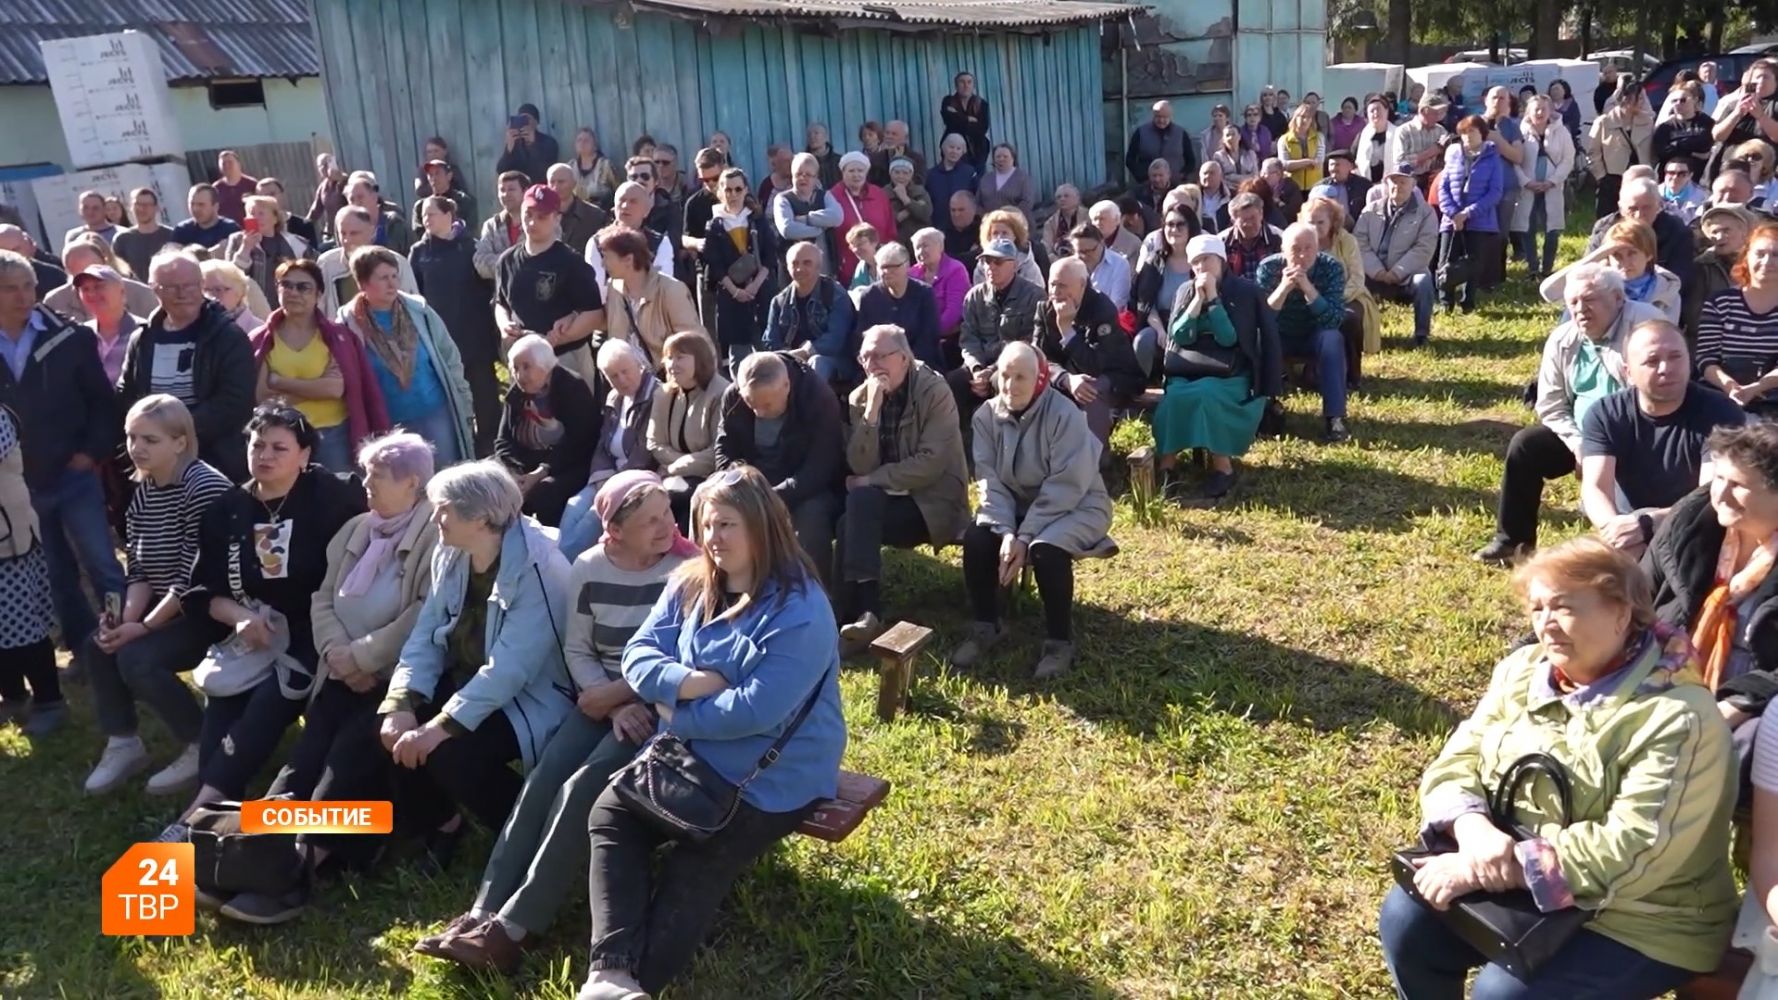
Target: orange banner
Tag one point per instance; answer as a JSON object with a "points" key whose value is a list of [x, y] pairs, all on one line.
{"points": [[289, 816], [149, 891]]}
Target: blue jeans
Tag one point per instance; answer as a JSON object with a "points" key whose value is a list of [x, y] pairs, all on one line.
{"points": [[333, 449], [580, 528], [1420, 289], [1328, 348], [1428, 961], [77, 535], [440, 430]]}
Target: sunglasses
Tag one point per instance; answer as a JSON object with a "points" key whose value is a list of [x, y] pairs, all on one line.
{"points": [[639, 177]]}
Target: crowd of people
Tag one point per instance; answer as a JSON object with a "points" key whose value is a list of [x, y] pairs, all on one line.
{"points": [[423, 478]]}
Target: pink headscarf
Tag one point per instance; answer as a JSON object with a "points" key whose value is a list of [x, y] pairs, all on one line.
{"points": [[617, 489]]}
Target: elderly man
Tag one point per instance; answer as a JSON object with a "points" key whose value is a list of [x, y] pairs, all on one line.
{"points": [[1068, 214], [1345, 185], [233, 186], [49, 277], [1722, 236], [1160, 138], [101, 291], [1640, 199], [996, 312], [895, 299], [68, 423], [907, 483], [330, 193], [1680, 195], [1285, 193], [579, 220], [1077, 331], [1108, 272], [895, 146], [1108, 218], [1306, 288], [190, 349], [1249, 239], [1397, 236], [1154, 190], [782, 418], [634, 202], [1733, 187], [503, 230], [777, 178], [392, 229], [356, 228], [1642, 448], [1420, 140], [92, 219], [1214, 195], [963, 233], [1583, 362], [543, 287], [207, 228], [812, 318]]}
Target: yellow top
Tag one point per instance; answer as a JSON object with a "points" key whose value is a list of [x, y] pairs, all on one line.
{"points": [[738, 237], [313, 361]]}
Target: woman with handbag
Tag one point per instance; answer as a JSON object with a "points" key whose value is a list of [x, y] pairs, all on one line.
{"points": [[1469, 234], [262, 554], [645, 305], [734, 253], [1620, 826], [138, 653], [741, 659]]}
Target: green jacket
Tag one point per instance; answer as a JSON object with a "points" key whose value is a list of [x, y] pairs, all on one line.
{"points": [[1654, 779]]}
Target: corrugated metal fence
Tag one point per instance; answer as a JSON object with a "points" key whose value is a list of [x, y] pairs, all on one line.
{"points": [[397, 71], [293, 163]]}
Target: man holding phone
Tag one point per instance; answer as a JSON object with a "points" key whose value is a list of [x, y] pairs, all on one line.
{"points": [[528, 149]]}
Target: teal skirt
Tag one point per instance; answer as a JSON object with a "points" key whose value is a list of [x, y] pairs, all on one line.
{"points": [[1215, 414]]}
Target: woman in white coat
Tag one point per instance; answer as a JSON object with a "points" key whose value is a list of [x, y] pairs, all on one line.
{"points": [[1543, 175], [1370, 151]]}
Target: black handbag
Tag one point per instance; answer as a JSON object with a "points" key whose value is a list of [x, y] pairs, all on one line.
{"points": [[227, 861], [1188, 362], [1507, 928], [1454, 270], [680, 794]]}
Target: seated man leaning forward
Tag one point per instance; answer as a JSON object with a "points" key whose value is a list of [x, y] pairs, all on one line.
{"points": [[906, 482], [1079, 335], [1583, 362], [1307, 289]]}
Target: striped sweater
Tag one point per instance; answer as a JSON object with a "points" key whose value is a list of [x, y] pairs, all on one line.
{"points": [[605, 607], [161, 525]]}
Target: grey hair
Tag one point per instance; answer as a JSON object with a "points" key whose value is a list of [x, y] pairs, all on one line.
{"points": [[761, 368], [1245, 200], [611, 350], [1019, 350], [478, 491], [1637, 187], [168, 258], [803, 247], [951, 137], [1295, 230], [926, 236], [353, 212], [628, 188], [1595, 274], [1101, 207], [550, 174], [403, 454], [892, 253], [536, 348], [1270, 162], [1162, 160], [890, 335], [10, 261], [1069, 267], [1065, 186]]}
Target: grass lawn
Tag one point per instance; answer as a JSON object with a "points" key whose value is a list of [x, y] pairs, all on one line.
{"points": [[1203, 808]]}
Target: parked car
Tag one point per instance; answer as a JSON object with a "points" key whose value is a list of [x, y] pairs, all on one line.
{"points": [[1623, 60], [1729, 66], [1482, 56]]}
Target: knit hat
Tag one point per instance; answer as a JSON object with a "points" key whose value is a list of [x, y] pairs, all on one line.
{"points": [[855, 157], [1205, 243], [617, 489]]}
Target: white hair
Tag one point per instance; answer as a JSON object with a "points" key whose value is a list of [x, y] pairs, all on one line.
{"points": [[478, 491], [559, 168], [797, 249], [611, 350], [626, 189], [926, 236], [801, 160], [534, 347], [761, 368], [1596, 275], [890, 254], [1103, 209], [1637, 187], [1065, 267], [953, 138], [1296, 229], [888, 335]]}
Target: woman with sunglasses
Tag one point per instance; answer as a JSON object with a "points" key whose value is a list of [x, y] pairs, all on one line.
{"points": [[319, 366], [1254, 133], [735, 260]]}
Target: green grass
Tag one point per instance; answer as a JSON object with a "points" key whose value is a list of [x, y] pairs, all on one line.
{"points": [[1204, 808]]}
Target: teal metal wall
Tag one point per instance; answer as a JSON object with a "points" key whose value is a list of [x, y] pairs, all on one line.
{"points": [[397, 71]]}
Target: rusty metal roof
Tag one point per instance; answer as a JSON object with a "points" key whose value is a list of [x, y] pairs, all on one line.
{"points": [[1021, 14], [199, 39]]}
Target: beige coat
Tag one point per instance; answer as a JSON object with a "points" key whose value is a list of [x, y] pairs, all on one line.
{"points": [[1358, 295], [377, 653], [1612, 139], [662, 307], [682, 429], [930, 441]]}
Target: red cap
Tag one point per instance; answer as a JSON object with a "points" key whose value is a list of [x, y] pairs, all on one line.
{"points": [[543, 198]]}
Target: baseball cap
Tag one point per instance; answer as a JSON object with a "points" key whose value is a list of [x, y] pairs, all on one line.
{"points": [[543, 198], [1434, 100], [98, 272], [437, 165], [1002, 248], [1402, 168], [1205, 243]]}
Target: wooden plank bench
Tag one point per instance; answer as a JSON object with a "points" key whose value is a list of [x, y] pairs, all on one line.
{"points": [[833, 820], [897, 649], [1142, 470], [1724, 983]]}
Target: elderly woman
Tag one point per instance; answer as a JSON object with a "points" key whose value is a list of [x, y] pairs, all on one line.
{"points": [[1302, 148], [1222, 365], [684, 418], [228, 286], [645, 305], [734, 256], [264, 244], [738, 656], [1370, 148], [1042, 505], [1736, 341], [1612, 697], [897, 299], [262, 554], [1628, 248], [1238, 160], [859, 201], [412, 355], [807, 213], [952, 173], [548, 428], [317, 364], [1543, 180], [1469, 189], [1005, 184], [1362, 330], [1010, 224], [1306, 288], [622, 443], [30, 689], [909, 201], [139, 653], [544, 846], [91, 250], [595, 178], [481, 682], [1068, 214], [379, 570], [949, 281]]}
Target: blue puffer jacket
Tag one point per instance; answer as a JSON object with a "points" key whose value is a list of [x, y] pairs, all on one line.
{"points": [[1474, 183]]}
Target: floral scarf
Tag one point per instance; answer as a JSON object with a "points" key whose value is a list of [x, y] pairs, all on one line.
{"points": [[398, 347], [1714, 633]]}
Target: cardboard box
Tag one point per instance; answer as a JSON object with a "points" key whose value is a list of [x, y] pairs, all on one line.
{"points": [[58, 197], [111, 95]]}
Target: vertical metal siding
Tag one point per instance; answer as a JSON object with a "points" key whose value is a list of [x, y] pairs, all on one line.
{"points": [[398, 71]]}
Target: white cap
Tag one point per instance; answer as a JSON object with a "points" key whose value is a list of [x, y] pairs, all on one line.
{"points": [[1206, 243]]}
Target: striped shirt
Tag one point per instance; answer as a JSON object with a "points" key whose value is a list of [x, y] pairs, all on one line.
{"points": [[606, 606], [161, 523], [1738, 340]]}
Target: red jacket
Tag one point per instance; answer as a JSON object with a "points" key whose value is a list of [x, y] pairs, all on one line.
{"points": [[872, 206], [366, 415]]}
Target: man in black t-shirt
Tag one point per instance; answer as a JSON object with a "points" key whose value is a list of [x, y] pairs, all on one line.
{"points": [[1643, 448], [699, 208], [543, 287]]}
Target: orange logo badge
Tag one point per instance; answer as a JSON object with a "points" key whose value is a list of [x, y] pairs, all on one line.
{"points": [[149, 891]]}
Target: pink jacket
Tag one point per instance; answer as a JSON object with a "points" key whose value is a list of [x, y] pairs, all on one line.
{"points": [[872, 206], [948, 288], [366, 415]]}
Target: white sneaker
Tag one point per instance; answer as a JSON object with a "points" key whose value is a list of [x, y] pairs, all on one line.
{"points": [[177, 776], [611, 984], [122, 760]]}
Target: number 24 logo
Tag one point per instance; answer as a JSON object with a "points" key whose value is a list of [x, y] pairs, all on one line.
{"points": [[158, 873]]}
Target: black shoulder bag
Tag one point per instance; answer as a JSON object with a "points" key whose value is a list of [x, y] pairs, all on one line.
{"points": [[1454, 268], [685, 798], [1507, 927]]}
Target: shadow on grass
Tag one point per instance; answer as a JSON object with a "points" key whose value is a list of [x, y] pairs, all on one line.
{"points": [[1346, 493], [1477, 393], [1481, 436]]}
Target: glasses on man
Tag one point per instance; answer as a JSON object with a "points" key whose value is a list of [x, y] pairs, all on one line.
{"points": [[297, 287], [641, 178], [866, 357], [182, 288]]}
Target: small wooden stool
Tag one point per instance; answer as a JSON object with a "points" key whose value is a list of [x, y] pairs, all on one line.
{"points": [[1141, 461], [833, 820], [896, 650]]}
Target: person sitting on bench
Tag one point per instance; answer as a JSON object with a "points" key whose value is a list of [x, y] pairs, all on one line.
{"points": [[1306, 288], [1080, 336]]}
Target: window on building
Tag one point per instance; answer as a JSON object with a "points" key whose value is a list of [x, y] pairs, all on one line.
{"points": [[247, 93]]}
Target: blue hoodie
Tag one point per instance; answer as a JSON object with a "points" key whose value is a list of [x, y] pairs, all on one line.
{"points": [[1486, 179], [773, 655]]}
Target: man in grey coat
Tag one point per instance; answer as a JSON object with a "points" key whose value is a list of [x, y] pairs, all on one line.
{"points": [[1160, 139], [1397, 236]]}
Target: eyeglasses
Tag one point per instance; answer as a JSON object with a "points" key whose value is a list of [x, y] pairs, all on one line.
{"points": [[866, 357], [299, 287], [183, 288], [735, 189], [640, 177]]}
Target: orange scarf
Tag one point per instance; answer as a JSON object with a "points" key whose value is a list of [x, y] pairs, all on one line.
{"points": [[1714, 633]]}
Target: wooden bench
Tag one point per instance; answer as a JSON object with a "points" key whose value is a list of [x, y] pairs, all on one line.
{"points": [[1141, 461], [896, 652], [833, 820], [1724, 983]]}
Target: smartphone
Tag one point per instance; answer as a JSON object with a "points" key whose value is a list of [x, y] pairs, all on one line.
{"points": [[249, 225], [517, 122], [113, 610]]}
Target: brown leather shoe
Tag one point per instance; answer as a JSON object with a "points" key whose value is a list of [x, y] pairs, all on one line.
{"points": [[433, 944], [484, 946]]}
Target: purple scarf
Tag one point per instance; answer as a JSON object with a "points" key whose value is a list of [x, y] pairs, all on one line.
{"points": [[384, 533]]}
